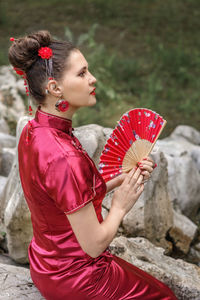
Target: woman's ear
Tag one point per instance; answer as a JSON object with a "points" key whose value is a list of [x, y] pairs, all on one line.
{"points": [[53, 88]]}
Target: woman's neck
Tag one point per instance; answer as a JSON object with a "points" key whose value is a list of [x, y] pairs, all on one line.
{"points": [[64, 114]]}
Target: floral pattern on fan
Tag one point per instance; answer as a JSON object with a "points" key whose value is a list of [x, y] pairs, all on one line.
{"points": [[132, 139]]}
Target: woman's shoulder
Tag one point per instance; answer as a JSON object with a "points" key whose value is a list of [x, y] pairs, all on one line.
{"points": [[47, 145], [54, 141]]}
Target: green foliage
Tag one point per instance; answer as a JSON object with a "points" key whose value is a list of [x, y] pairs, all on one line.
{"points": [[159, 82], [143, 53], [3, 234], [100, 65]]}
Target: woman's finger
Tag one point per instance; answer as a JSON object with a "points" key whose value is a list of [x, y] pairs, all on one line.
{"points": [[134, 171], [135, 177], [146, 162], [146, 167], [146, 174], [138, 182], [154, 165]]}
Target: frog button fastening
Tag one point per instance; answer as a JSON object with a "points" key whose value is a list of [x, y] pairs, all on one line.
{"points": [[71, 131], [74, 144]]}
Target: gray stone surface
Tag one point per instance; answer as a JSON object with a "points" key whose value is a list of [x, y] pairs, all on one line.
{"points": [[183, 174], [152, 214], [182, 277], [7, 140], [14, 212], [187, 132], [4, 126], [7, 158], [11, 103], [182, 232], [16, 283]]}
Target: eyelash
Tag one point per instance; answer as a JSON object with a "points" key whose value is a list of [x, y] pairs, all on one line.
{"points": [[82, 73]]}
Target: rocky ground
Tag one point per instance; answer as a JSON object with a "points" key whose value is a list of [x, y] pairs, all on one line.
{"points": [[16, 283]]}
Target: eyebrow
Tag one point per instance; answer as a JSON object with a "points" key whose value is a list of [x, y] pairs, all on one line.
{"points": [[83, 68]]}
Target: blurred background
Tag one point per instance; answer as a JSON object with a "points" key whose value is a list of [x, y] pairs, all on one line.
{"points": [[143, 53]]}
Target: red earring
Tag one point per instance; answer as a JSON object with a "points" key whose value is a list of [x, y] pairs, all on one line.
{"points": [[62, 105]]}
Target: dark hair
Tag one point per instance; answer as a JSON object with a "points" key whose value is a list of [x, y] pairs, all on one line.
{"points": [[23, 54]]}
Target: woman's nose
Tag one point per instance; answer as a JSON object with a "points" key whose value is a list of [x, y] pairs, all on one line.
{"points": [[92, 79]]}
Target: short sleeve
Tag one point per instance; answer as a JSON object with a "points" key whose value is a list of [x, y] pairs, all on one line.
{"points": [[69, 181]]}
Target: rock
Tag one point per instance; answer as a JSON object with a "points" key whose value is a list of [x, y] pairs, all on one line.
{"points": [[11, 103], [182, 277], [184, 176], [7, 141], [182, 232], [8, 155], [4, 128], [3, 181], [3, 242], [16, 283], [197, 247], [189, 133], [15, 214], [92, 139], [152, 214], [104, 212], [193, 256], [195, 154], [107, 132]]}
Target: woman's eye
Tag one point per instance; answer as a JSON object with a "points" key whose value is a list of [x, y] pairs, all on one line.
{"points": [[82, 74]]}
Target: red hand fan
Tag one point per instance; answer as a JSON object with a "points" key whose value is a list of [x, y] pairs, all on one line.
{"points": [[132, 139]]}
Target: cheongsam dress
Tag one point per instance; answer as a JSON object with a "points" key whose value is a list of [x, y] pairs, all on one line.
{"points": [[58, 177]]}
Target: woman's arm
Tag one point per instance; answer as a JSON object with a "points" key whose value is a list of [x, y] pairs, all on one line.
{"points": [[94, 237], [115, 182]]}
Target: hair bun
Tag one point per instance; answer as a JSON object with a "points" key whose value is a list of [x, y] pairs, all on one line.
{"points": [[24, 51]]}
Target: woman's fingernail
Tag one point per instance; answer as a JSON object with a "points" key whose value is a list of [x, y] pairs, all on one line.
{"points": [[145, 159], [154, 166], [141, 166]]}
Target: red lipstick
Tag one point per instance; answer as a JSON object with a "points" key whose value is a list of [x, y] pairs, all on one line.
{"points": [[93, 92]]}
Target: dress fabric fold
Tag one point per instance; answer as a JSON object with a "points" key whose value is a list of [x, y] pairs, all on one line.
{"points": [[58, 177]]}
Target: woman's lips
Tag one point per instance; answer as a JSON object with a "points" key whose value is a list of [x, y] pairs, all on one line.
{"points": [[93, 92]]}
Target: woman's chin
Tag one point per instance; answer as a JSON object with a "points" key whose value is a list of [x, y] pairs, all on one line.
{"points": [[92, 102]]}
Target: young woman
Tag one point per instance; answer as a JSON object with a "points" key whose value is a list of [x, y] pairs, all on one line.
{"points": [[69, 253]]}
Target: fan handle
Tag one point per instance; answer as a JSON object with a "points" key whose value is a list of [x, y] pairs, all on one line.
{"points": [[165, 122]]}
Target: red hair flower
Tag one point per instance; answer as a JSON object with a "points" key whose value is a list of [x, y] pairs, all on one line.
{"points": [[45, 52], [18, 71]]}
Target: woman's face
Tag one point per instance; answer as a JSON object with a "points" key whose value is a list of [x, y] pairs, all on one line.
{"points": [[77, 82]]}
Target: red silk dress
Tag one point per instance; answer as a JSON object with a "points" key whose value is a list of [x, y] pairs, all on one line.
{"points": [[58, 177]]}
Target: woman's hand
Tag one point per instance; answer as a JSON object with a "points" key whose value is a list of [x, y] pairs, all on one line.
{"points": [[147, 165], [129, 191]]}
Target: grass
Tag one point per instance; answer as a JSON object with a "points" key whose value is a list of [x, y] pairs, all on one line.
{"points": [[143, 53]]}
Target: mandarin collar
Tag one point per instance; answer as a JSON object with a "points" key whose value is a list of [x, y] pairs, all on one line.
{"points": [[49, 120]]}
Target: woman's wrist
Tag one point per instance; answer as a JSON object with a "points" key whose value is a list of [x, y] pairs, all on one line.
{"points": [[113, 183]]}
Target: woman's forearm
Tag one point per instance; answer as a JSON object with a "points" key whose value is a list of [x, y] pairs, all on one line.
{"points": [[109, 228], [113, 183]]}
